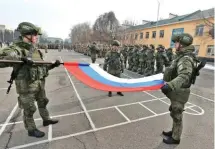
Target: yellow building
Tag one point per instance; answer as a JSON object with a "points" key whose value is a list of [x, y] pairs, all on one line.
{"points": [[197, 24]]}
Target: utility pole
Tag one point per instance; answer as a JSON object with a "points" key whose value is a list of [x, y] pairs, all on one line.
{"points": [[157, 24]]}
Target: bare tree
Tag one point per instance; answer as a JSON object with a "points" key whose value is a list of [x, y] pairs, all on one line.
{"points": [[209, 24], [81, 33], [105, 27], [129, 23]]}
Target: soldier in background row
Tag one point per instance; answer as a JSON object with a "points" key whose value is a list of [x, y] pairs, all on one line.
{"points": [[113, 63], [93, 52], [150, 61], [161, 59]]}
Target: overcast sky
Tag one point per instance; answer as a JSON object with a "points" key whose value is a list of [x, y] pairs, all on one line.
{"points": [[57, 17]]}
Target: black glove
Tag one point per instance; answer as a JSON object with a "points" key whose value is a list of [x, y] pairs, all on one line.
{"points": [[166, 89], [27, 61], [56, 64]]}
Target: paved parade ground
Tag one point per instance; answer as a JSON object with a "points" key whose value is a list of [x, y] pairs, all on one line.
{"points": [[89, 119]]}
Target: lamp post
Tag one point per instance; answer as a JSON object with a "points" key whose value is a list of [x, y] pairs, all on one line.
{"points": [[157, 22]]}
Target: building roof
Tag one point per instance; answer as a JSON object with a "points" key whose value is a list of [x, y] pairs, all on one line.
{"points": [[187, 17]]}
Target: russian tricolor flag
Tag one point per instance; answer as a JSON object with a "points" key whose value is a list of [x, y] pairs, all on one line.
{"points": [[95, 77]]}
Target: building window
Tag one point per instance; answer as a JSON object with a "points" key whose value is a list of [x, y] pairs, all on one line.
{"points": [[154, 34], [210, 51], [141, 35], [161, 33], [196, 52], [136, 36], [199, 30], [147, 34]]}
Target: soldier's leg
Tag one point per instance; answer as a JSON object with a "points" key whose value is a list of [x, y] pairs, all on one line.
{"points": [[93, 60], [119, 76], [176, 110], [42, 102], [177, 115], [26, 102]]}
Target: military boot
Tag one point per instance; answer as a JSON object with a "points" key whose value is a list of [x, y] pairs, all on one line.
{"points": [[168, 134], [170, 140], [120, 94], [48, 122], [110, 94], [36, 133]]}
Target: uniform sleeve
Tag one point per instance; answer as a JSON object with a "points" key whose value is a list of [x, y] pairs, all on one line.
{"points": [[122, 59], [106, 60], [165, 57], [184, 71], [9, 54]]}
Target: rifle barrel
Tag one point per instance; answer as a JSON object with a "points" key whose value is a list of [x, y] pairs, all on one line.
{"points": [[35, 62]]}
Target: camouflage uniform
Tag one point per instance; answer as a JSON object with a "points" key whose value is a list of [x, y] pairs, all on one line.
{"points": [[46, 48], [161, 59], [150, 61], [142, 60], [114, 62], [135, 58], [170, 56], [179, 77], [30, 79], [124, 52], [93, 51], [130, 61]]}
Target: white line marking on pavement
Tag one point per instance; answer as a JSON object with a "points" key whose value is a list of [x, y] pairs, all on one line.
{"points": [[122, 114], [202, 97], [202, 111], [8, 119], [85, 132], [6, 88], [147, 108], [50, 133], [190, 93], [79, 98], [88, 131], [193, 105], [76, 113], [56, 116]]}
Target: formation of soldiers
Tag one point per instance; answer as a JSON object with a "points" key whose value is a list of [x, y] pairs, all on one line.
{"points": [[85, 49], [30, 79], [142, 59]]}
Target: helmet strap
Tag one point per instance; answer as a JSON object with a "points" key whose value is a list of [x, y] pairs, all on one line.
{"points": [[30, 39]]}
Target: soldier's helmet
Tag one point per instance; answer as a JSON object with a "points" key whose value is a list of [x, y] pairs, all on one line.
{"points": [[184, 39], [160, 47], [152, 46], [94, 42], [169, 49], [115, 43], [27, 28]]}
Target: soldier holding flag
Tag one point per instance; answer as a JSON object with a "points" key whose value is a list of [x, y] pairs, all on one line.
{"points": [[29, 78]]}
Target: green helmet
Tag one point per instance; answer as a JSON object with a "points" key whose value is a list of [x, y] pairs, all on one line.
{"points": [[184, 39], [115, 43], [27, 28], [160, 46], [152, 46]]}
